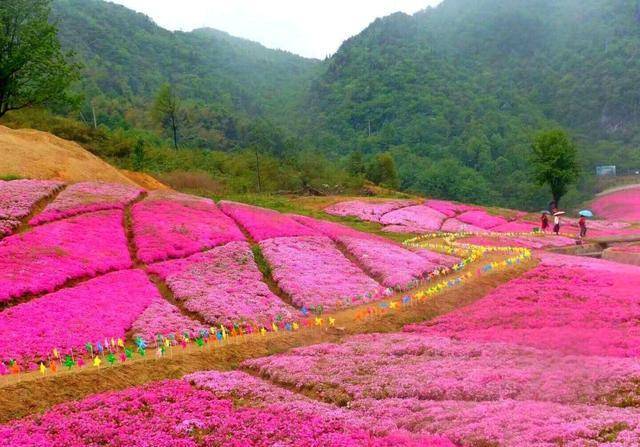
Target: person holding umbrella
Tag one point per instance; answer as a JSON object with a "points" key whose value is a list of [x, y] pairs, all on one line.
{"points": [[583, 222], [556, 222]]}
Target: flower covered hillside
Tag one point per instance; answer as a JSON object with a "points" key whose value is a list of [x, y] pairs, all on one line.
{"points": [[48, 256], [168, 225], [574, 305], [85, 197]]}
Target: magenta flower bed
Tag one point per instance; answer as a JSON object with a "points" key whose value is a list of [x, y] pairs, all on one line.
{"points": [[414, 366], [394, 265], [223, 285], [164, 319], [366, 210], [313, 272], [44, 258], [85, 197], [263, 223], [100, 308], [620, 205], [515, 227], [574, 305], [419, 217], [508, 423], [170, 225], [481, 219], [17, 197], [176, 414], [450, 209], [453, 225]]}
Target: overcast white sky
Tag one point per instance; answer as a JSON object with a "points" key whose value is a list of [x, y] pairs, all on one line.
{"points": [[309, 28]]}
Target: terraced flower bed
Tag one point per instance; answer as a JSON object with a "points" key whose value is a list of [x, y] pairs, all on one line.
{"points": [[17, 199], [178, 414], [85, 197], [262, 223], [573, 305], [171, 225], [162, 319], [100, 308], [47, 256], [367, 210], [223, 285], [313, 272], [620, 205]]}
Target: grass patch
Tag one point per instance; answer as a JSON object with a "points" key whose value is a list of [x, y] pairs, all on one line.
{"points": [[8, 177]]}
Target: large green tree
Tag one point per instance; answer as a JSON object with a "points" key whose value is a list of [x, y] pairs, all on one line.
{"points": [[33, 68], [555, 161], [167, 111]]}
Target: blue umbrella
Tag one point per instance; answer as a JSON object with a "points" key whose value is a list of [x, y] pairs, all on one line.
{"points": [[586, 213]]}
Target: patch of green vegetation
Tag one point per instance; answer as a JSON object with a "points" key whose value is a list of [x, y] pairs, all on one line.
{"points": [[8, 177]]}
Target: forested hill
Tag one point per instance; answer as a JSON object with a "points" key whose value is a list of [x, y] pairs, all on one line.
{"points": [[454, 93], [230, 84], [457, 90]]}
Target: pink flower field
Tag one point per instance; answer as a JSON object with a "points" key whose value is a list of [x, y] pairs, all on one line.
{"points": [[48, 256], [100, 308], [481, 219], [263, 223], [164, 319], [367, 210], [179, 414], [573, 305], [620, 205], [170, 225], [85, 197], [17, 199], [417, 218], [223, 285], [313, 272]]}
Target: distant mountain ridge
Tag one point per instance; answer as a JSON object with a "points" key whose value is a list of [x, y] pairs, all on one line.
{"points": [[454, 92]]}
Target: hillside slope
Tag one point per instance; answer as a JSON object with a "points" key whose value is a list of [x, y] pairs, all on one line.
{"points": [[40, 155]]}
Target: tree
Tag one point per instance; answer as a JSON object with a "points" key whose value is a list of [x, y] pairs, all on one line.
{"points": [[166, 111], [555, 161], [355, 163], [382, 171], [33, 68], [138, 155]]}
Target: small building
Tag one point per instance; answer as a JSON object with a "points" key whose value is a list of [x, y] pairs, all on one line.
{"points": [[603, 171]]}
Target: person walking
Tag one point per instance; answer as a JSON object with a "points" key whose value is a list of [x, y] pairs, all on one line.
{"points": [[556, 224], [544, 222], [582, 223]]}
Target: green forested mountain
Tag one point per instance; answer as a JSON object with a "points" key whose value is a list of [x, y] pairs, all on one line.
{"points": [[230, 86], [453, 93]]}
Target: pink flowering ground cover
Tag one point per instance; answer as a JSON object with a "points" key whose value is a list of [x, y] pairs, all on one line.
{"points": [[392, 264], [17, 199], [224, 285], [481, 219], [417, 218], [450, 209], [164, 319], [177, 414], [366, 210], [263, 223], [573, 305], [620, 205], [85, 197], [47, 256], [454, 225], [169, 225], [313, 272], [100, 308], [415, 366]]}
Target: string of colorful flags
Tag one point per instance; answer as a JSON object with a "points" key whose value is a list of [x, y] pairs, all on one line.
{"points": [[113, 351]]}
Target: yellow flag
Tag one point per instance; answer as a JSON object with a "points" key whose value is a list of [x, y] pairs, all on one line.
{"points": [[96, 362], [120, 343], [393, 305], [295, 326], [167, 343], [318, 321], [43, 369], [263, 331], [332, 321], [274, 327]]}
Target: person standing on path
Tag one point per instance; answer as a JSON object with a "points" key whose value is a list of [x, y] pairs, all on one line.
{"points": [[583, 226], [556, 224], [544, 222]]}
